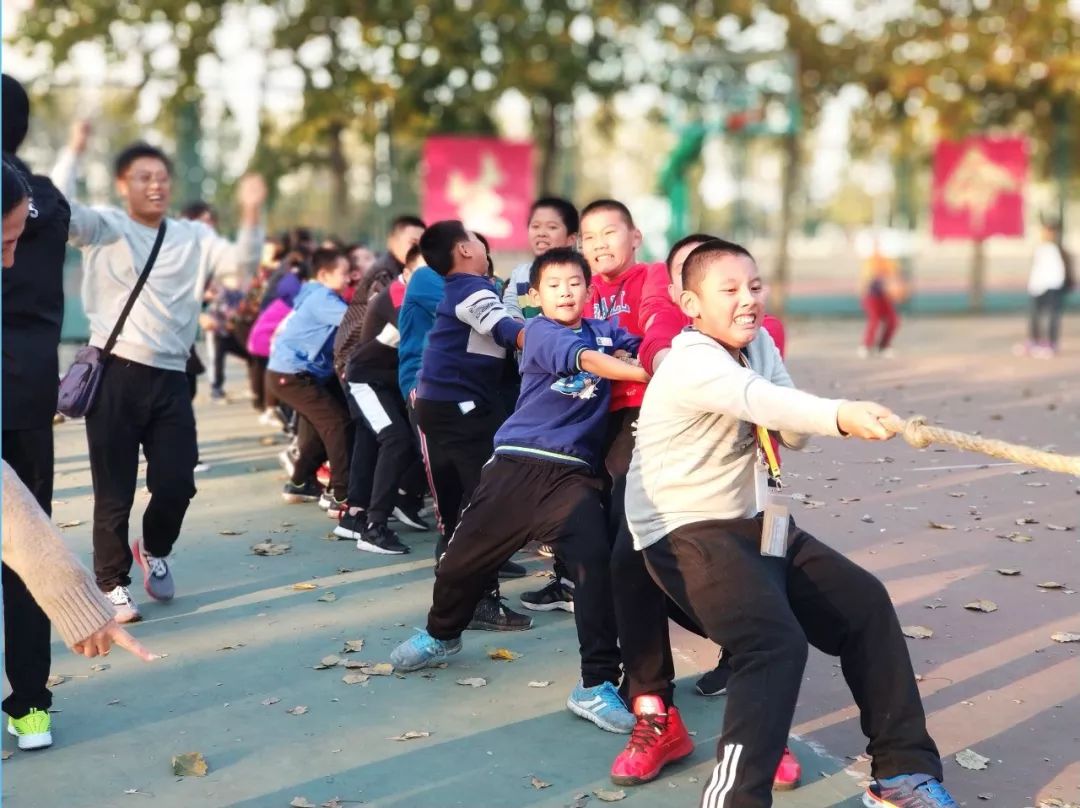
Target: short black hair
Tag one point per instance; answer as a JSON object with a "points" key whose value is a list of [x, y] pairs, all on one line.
{"points": [[557, 255], [357, 245], [438, 241], [15, 187], [197, 209], [608, 204], [413, 253], [697, 262], [693, 238], [407, 220], [564, 207], [136, 151], [324, 258]]}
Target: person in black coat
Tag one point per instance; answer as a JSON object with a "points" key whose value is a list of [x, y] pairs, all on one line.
{"points": [[33, 311]]}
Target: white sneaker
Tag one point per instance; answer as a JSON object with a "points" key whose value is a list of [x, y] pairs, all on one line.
{"points": [[863, 352], [202, 468], [124, 607]]}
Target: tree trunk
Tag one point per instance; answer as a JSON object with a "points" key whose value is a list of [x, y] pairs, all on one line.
{"points": [[781, 279], [550, 147], [977, 299], [339, 181]]}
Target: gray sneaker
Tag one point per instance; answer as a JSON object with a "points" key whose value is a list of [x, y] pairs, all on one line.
{"points": [[157, 577], [124, 608], [422, 650]]}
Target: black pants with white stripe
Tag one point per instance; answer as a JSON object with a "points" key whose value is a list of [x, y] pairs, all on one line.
{"points": [[766, 612], [522, 499], [397, 462]]}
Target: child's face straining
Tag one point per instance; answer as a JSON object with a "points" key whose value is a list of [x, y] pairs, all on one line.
{"points": [[561, 293], [547, 230], [608, 242], [729, 303]]}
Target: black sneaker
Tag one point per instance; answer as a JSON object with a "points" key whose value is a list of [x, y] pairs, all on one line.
{"points": [[512, 570], [493, 615], [556, 595], [351, 525], [409, 515], [308, 492], [381, 539], [714, 683]]}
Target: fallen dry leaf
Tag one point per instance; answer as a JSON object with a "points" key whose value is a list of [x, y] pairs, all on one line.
{"points": [[328, 662], [270, 701], [189, 764], [99, 667], [352, 646], [544, 683], [1065, 636], [231, 532], [305, 586], [329, 597], [941, 526], [1059, 527], [299, 709], [1008, 571], [1018, 538], [610, 796], [269, 548], [231, 646], [355, 678], [848, 500], [918, 632], [1027, 520], [73, 523], [473, 681], [970, 759], [537, 783], [411, 735], [957, 494], [981, 606], [302, 802], [54, 680], [380, 669], [1050, 585], [579, 801], [354, 663], [504, 654]]}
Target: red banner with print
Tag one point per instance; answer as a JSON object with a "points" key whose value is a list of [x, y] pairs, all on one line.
{"points": [[979, 188], [485, 182]]}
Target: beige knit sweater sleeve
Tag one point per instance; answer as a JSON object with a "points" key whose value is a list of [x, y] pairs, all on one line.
{"points": [[33, 549]]}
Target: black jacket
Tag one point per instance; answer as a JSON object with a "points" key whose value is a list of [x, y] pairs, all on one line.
{"points": [[33, 309]]}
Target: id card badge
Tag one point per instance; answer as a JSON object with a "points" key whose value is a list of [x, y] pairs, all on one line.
{"points": [[774, 527]]}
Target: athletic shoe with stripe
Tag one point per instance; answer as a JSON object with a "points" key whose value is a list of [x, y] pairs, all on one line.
{"points": [[601, 705], [559, 594], [157, 577], [34, 730], [422, 650], [124, 608], [378, 538], [908, 791], [659, 737]]}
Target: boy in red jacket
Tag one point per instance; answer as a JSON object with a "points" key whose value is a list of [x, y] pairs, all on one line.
{"points": [[646, 648]]}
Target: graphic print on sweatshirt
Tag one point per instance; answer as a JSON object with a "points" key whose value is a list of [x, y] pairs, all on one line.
{"points": [[611, 306], [481, 311]]}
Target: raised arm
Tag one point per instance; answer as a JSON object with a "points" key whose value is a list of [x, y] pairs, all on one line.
{"points": [[88, 225]]}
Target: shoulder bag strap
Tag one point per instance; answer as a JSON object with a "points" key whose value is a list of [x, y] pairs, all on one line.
{"points": [[139, 284]]}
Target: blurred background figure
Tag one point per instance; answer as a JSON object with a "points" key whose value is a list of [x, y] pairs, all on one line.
{"points": [[882, 288], [1050, 282]]}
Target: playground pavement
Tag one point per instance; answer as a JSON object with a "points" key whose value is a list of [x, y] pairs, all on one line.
{"points": [[243, 640]]}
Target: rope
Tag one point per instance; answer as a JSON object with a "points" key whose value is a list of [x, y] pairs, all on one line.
{"points": [[920, 435]]}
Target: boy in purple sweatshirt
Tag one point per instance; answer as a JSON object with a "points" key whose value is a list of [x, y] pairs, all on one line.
{"points": [[548, 458]]}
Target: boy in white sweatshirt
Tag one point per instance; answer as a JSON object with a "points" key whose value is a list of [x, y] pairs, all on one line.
{"points": [[705, 510]]}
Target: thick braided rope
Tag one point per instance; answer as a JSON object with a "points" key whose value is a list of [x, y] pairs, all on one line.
{"points": [[920, 435]]}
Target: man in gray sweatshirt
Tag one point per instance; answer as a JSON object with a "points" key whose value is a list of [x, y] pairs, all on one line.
{"points": [[144, 400]]}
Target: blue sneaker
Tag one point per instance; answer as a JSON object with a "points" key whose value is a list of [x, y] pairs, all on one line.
{"points": [[602, 706], [908, 791], [422, 650]]}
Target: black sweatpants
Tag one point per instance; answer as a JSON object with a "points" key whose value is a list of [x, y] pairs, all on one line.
{"points": [[138, 405], [322, 404], [766, 611], [218, 346], [1047, 308], [522, 499], [261, 398], [27, 650], [455, 445], [381, 411]]}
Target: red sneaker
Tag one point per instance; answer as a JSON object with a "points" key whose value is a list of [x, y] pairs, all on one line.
{"points": [[788, 773], [658, 738], [323, 475]]}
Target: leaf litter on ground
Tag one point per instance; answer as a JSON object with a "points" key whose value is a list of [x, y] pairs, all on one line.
{"points": [[411, 735], [326, 662], [473, 681], [299, 709], [190, 764], [352, 646], [269, 548], [970, 759], [304, 586], [918, 632], [1008, 571], [1065, 636], [503, 654], [606, 795], [981, 606]]}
